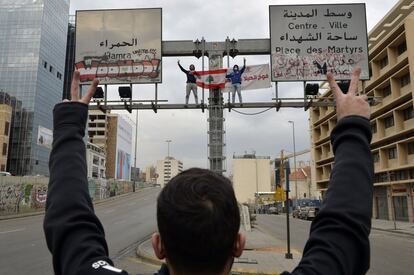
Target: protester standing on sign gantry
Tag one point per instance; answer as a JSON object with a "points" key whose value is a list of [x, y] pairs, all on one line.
{"points": [[191, 82], [236, 80]]}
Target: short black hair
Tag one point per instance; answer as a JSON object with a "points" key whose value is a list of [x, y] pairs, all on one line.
{"points": [[198, 220]]}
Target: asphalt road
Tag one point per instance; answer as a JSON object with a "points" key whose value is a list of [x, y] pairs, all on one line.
{"points": [[127, 220], [391, 253]]}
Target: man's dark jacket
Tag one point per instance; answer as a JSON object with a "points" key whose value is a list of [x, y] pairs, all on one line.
{"points": [[338, 241]]}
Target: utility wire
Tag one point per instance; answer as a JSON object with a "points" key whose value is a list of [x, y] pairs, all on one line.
{"points": [[252, 114]]}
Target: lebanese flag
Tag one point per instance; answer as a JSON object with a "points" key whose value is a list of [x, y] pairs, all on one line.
{"points": [[213, 79]]}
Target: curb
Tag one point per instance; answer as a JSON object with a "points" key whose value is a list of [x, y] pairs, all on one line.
{"points": [[395, 231], [141, 254], [24, 215], [264, 231], [42, 212]]}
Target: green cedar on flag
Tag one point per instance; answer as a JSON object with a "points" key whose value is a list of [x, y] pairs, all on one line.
{"points": [[213, 79]]}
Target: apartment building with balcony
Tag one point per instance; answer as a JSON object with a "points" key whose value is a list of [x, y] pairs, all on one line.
{"points": [[167, 169], [391, 57]]}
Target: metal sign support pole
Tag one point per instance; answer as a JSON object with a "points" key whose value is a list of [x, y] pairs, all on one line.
{"points": [[288, 255], [203, 49]]}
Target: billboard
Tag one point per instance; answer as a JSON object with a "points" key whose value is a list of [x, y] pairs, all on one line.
{"points": [[254, 77], [123, 149], [119, 46], [44, 137], [307, 41]]}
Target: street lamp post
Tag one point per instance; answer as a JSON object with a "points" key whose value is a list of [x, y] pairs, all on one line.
{"points": [[135, 155], [294, 159], [168, 141]]}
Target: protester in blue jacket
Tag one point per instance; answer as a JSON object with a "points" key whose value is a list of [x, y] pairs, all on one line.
{"points": [[236, 80]]}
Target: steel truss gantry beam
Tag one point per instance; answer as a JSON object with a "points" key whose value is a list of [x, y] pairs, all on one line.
{"points": [[215, 51]]}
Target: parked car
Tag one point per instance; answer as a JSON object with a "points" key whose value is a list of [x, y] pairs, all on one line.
{"points": [[311, 213], [295, 213], [273, 210], [303, 212], [5, 174]]}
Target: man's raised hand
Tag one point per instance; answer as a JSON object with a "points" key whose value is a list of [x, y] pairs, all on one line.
{"points": [[349, 104], [74, 90]]}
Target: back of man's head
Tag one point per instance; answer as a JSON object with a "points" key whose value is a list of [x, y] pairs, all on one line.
{"points": [[198, 220]]}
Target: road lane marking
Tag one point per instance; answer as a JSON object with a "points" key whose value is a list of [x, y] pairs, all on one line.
{"points": [[109, 211], [12, 231]]}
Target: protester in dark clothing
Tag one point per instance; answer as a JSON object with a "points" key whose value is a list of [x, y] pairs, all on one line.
{"points": [[201, 206], [236, 80], [191, 82]]}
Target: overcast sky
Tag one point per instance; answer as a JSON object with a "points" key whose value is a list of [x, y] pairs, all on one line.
{"points": [[267, 133]]}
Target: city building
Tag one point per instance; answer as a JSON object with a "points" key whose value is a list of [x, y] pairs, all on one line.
{"points": [[5, 123], [70, 57], [167, 169], [32, 50], [302, 180], [251, 175], [97, 127], [391, 55], [150, 175], [95, 159], [118, 147], [112, 133]]}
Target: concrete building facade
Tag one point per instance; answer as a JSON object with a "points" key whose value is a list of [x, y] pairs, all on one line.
{"points": [[166, 169], [5, 124], [251, 175], [150, 176], [302, 178], [96, 161], [118, 147], [97, 128], [391, 55], [112, 133]]}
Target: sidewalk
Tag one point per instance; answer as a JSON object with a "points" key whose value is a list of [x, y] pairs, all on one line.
{"points": [[263, 254], [42, 211], [386, 225]]}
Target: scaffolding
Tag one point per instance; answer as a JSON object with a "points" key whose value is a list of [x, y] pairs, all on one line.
{"points": [[216, 132]]}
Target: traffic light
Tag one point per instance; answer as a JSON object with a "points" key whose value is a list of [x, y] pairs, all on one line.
{"points": [[311, 89]]}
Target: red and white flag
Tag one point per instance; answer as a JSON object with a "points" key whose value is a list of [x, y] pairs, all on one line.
{"points": [[213, 79]]}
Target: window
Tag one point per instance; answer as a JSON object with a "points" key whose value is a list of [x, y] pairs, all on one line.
{"points": [[392, 153], [402, 48], [383, 62], [45, 64], [386, 91], [408, 113], [401, 175], [3, 167], [51, 69], [6, 128], [381, 177], [375, 156], [374, 127], [4, 149], [405, 80], [59, 75], [389, 121], [410, 147]]}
